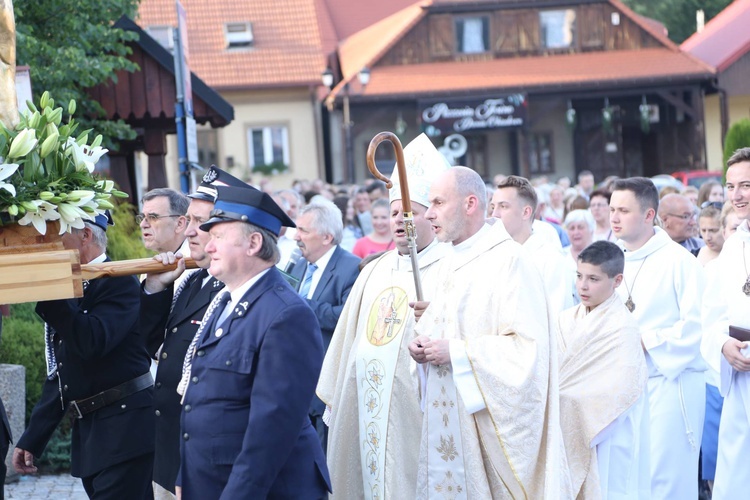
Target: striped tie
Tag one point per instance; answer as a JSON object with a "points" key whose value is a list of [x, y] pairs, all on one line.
{"points": [[305, 288]]}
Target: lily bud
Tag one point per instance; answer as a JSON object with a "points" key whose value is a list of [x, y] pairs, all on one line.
{"points": [[49, 144], [55, 116], [23, 143], [104, 204], [44, 101], [34, 119], [46, 195], [13, 210], [28, 206], [72, 107]]}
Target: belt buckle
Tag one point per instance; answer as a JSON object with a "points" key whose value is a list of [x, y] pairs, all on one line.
{"points": [[74, 404]]}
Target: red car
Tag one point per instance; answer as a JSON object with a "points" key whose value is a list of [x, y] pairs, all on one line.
{"points": [[697, 177]]}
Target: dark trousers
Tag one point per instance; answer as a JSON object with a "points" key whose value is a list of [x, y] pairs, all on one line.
{"points": [[5, 440], [4, 445], [130, 479]]}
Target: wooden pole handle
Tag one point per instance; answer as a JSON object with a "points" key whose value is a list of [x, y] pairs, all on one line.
{"points": [[129, 267]]}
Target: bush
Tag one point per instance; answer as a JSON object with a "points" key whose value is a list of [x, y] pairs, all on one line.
{"points": [[738, 137], [23, 344], [125, 236]]}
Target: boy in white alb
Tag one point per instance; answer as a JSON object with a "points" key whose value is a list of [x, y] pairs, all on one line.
{"points": [[662, 287], [603, 374]]}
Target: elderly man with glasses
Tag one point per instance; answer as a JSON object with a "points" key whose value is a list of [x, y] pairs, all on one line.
{"points": [[680, 220], [163, 221]]}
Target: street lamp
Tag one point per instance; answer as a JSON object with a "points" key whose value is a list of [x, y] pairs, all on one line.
{"points": [[364, 78]]}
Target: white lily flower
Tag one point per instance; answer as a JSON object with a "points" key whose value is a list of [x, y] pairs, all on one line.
{"points": [[6, 170], [71, 216], [45, 211], [84, 156], [23, 143]]}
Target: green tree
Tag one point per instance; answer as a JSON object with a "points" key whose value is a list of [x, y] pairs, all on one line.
{"points": [[677, 15], [738, 136], [70, 45]]}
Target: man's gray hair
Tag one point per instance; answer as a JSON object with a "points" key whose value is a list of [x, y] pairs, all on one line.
{"points": [[469, 182], [269, 250], [178, 202], [98, 235], [326, 219]]}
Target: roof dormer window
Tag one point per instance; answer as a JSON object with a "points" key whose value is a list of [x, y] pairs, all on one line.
{"points": [[472, 34], [239, 35], [162, 34]]}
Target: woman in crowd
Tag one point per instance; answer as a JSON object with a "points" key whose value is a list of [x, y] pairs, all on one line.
{"points": [[580, 226], [556, 207], [599, 208], [709, 225], [380, 238], [710, 192], [691, 193], [352, 231]]}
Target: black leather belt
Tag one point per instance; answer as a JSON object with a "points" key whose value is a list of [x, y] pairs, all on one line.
{"points": [[105, 398]]}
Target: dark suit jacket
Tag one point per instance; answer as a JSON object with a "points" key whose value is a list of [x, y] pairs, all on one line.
{"points": [[174, 331], [329, 298], [245, 429], [98, 346], [333, 289]]}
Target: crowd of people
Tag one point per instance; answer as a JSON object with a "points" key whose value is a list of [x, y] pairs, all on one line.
{"points": [[544, 340]]}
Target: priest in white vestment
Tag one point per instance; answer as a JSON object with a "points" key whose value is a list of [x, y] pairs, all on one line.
{"points": [[491, 426], [515, 202], [603, 398], [368, 381], [662, 286], [727, 304]]}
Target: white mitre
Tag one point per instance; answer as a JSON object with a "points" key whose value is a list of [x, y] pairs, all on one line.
{"points": [[424, 163]]}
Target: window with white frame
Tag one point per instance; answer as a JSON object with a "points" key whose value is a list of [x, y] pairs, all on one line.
{"points": [[472, 35], [268, 148], [557, 28], [239, 35], [162, 34]]}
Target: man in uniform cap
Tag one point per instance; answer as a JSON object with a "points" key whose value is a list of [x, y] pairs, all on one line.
{"points": [[97, 364], [250, 371], [170, 315], [368, 354]]}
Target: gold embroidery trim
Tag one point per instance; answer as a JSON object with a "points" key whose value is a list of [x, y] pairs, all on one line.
{"points": [[494, 425]]}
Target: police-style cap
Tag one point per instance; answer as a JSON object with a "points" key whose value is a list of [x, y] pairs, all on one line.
{"points": [[104, 220], [247, 204], [213, 178]]}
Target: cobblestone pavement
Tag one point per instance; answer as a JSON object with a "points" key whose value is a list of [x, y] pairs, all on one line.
{"points": [[57, 486]]}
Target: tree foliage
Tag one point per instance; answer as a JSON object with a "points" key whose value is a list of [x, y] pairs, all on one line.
{"points": [[677, 15], [738, 136], [70, 45]]}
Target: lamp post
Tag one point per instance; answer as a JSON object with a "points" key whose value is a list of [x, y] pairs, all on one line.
{"points": [[364, 79]]}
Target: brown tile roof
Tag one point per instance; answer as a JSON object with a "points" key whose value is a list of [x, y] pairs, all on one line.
{"points": [[581, 71], [288, 48], [724, 39], [351, 16], [367, 47], [370, 44]]}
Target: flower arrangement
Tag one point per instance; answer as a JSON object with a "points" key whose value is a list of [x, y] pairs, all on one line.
{"points": [[47, 173]]}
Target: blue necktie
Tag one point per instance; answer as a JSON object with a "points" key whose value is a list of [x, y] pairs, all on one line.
{"points": [[305, 288]]}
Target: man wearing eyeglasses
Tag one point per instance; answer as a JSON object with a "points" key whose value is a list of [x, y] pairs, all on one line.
{"points": [[680, 220], [163, 221]]}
